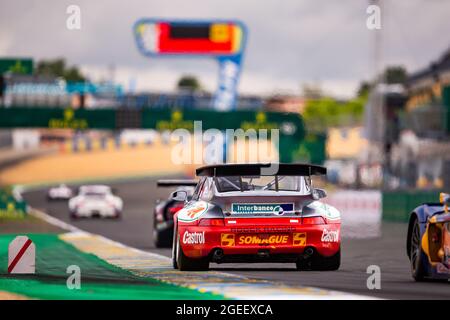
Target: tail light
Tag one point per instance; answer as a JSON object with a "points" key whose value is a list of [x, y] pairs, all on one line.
{"points": [[173, 210], [313, 220], [211, 222]]}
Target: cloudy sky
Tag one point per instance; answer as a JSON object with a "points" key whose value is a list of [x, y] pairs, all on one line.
{"points": [[291, 42]]}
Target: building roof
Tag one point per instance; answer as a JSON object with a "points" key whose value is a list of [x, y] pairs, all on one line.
{"points": [[433, 70]]}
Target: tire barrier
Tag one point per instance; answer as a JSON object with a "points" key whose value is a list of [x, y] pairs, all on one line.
{"points": [[87, 144]]}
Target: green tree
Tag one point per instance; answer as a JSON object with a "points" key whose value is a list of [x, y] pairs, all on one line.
{"points": [[327, 112], [58, 68], [188, 82], [395, 75], [391, 75], [364, 88], [312, 91], [321, 113]]}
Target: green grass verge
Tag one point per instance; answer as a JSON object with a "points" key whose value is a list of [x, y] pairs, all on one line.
{"points": [[99, 280]]}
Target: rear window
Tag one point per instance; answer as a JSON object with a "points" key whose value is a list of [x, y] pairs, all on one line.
{"points": [[263, 183], [94, 194]]}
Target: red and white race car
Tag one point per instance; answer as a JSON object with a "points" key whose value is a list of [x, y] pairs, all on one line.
{"points": [[253, 213]]}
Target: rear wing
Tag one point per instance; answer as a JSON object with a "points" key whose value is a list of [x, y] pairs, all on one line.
{"points": [[283, 169], [176, 182]]}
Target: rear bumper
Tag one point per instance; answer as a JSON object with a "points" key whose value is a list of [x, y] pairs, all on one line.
{"points": [[96, 211], [254, 245], [257, 258], [58, 197]]}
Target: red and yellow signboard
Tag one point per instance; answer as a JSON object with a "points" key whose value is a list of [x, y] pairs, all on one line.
{"points": [[184, 38]]}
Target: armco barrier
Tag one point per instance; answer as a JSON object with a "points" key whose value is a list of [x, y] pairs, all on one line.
{"points": [[397, 205]]}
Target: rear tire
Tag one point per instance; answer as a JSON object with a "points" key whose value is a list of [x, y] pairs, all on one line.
{"points": [[327, 263], [185, 263], [174, 248], [416, 254], [163, 239], [73, 215], [320, 263], [303, 264]]}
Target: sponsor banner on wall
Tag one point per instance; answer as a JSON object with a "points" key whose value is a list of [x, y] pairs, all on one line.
{"points": [[361, 212]]}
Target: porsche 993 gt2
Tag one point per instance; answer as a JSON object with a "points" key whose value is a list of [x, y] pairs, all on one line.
{"points": [[245, 213]]}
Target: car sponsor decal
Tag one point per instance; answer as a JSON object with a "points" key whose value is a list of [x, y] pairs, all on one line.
{"points": [[330, 235], [441, 268], [261, 208], [265, 229], [227, 239], [299, 239], [192, 211], [263, 239], [446, 243], [193, 237]]}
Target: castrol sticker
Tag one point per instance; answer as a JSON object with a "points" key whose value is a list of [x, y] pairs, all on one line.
{"points": [[330, 235], [194, 237], [192, 211]]}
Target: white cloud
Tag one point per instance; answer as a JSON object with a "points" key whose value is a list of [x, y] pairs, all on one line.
{"points": [[290, 42], [6, 41]]}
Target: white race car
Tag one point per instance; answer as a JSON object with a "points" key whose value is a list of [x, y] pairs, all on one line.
{"points": [[95, 201], [61, 192]]}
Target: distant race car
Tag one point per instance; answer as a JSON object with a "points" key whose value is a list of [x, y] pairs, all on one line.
{"points": [[246, 213], [61, 192], [428, 241], [165, 209], [95, 201]]}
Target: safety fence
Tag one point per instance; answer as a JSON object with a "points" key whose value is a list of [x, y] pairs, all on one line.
{"points": [[398, 205]]}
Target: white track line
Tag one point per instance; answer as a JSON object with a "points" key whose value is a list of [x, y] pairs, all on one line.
{"points": [[54, 221]]}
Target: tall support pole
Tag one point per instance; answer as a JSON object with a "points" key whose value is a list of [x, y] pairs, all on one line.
{"points": [[226, 94], [229, 72], [377, 90]]}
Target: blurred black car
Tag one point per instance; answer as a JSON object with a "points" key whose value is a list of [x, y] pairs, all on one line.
{"points": [[165, 209]]}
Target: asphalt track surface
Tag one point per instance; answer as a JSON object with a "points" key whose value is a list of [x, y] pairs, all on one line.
{"points": [[387, 252]]}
